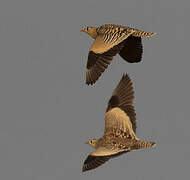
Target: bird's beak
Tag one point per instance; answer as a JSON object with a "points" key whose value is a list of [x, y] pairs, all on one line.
{"points": [[86, 142], [82, 30]]}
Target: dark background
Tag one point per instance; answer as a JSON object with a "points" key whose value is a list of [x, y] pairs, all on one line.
{"points": [[46, 110]]}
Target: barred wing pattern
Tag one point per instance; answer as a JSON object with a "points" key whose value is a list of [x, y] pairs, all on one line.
{"points": [[102, 52], [109, 40]]}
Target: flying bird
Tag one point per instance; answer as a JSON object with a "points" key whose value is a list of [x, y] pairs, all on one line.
{"points": [[110, 39], [120, 128]]}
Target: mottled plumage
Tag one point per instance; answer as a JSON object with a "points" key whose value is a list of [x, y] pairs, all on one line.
{"points": [[109, 40], [120, 128]]}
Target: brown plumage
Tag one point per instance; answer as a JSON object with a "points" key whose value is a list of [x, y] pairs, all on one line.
{"points": [[120, 128], [109, 40]]}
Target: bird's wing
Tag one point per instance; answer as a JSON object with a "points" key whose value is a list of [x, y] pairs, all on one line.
{"points": [[107, 150], [102, 52], [93, 162], [109, 38], [100, 156], [119, 123], [120, 113], [132, 50]]}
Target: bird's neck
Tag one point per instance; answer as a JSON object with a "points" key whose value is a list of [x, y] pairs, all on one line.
{"points": [[98, 142]]}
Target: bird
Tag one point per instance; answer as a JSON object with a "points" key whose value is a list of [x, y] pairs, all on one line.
{"points": [[120, 128], [110, 39]]}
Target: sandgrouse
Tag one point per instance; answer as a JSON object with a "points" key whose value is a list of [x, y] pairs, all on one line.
{"points": [[109, 40], [120, 128]]}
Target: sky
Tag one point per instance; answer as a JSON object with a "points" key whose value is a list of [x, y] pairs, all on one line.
{"points": [[47, 112]]}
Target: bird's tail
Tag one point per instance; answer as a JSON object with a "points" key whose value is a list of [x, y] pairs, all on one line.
{"points": [[139, 33], [142, 145]]}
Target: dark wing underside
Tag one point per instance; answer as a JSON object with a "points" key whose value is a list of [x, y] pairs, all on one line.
{"points": [[122, 98], [97, 63], [93, 162], [132, 50]]}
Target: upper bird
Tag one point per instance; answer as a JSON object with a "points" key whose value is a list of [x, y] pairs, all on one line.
{"points": [[120, 128], [109, 40]]}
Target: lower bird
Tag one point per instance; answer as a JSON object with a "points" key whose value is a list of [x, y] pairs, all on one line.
{"points": [[120, 128], [111, 39]]}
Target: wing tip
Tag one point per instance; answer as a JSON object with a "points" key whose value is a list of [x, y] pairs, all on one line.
{"points": [[89, 78], [88, 83], [92, 77], [84, 169], [125, 76], [126, 83]]}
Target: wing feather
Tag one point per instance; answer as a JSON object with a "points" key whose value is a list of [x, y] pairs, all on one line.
{"points": [[117, 119], [122, 103], [93, 162], [101, 53], [105, 42], [132, 50]]}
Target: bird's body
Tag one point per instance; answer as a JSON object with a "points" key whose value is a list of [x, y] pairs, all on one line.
{"points": [[120, 128], [120, 141], [110, 39]]}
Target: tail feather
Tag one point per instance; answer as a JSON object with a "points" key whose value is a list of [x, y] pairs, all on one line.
{"points": [[148, 144], [140, 33], [142, 145]]}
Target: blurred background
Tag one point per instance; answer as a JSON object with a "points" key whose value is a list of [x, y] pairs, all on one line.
{"points": [[47, 113]]}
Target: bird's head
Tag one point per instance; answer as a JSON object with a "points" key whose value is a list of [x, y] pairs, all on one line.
{"points": [[90, 31], [92, 142]]}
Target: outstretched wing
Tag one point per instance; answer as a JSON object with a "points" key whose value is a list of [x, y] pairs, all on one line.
{"points": [[93, 162], [102, 51], [120, 113], [100, 156]]}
